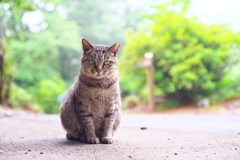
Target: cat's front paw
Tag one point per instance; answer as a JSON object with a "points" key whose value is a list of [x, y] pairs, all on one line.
{"points": [[107, 140], [93, 140]]}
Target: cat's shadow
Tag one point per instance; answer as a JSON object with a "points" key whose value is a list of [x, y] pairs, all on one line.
{"points": [[66, 142]]}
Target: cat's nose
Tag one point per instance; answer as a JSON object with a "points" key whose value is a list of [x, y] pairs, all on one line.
{"points": [[98, 69]]}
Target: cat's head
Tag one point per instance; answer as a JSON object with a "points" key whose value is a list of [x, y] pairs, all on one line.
{"points": [[99, 61]]}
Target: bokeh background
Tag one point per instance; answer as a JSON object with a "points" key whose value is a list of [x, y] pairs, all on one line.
{"points": [[196, 47]]}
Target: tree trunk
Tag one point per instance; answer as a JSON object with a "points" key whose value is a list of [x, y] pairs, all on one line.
{"points": [[2, 54], [7, 92], [2, 66]]}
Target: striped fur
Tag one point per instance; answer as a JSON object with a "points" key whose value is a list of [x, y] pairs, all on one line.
{"points": [[91, 112]]}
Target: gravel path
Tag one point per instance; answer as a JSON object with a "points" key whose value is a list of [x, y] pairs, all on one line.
{"points": [[170, 137]]}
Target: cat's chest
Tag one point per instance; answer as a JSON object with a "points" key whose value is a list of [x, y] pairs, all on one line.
{"points": [[104, 99], [100, 96], [98, 99]]}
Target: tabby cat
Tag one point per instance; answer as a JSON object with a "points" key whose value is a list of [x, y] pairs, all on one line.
{"points": [[91, 112]]}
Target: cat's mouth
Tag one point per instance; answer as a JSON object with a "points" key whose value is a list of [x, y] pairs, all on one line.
{"points": [[98, 75]]}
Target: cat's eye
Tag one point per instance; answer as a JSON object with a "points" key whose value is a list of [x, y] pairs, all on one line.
{"points": [[91, 61], [107, 62]]}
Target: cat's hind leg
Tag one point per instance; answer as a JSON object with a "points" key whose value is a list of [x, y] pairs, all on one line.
{"points": [[80, 138], [71, 137]]}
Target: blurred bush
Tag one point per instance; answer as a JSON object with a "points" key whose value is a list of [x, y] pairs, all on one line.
{"points": [[131, 101], [39, 44], [45, 93], [39, 98], [191, 60], [20, 97]]}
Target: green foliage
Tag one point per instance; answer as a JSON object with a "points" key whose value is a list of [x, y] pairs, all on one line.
{"points": [[229, 87], [20, 97], [45, 93], [191, 60], [19, 4], [46, 53], [169, 104], [39, 60]]}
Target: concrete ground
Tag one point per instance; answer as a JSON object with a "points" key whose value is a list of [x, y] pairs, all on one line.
{"points": [[170, 137]]}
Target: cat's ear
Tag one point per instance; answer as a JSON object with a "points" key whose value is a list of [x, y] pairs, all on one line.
{"points": [[114, 48], [86, 45]]}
